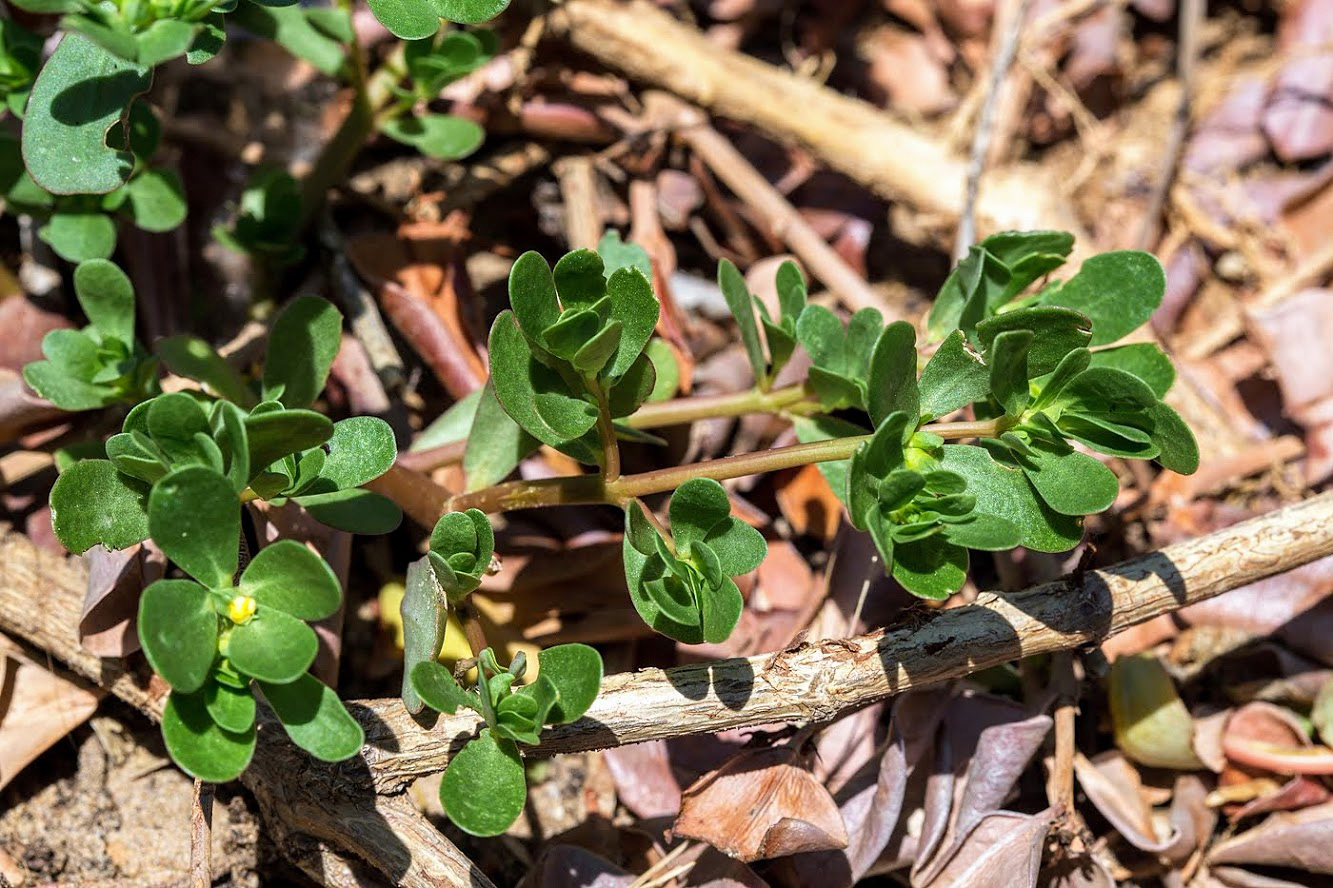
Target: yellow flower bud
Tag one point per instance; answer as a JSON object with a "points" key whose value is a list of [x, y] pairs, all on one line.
{"points": [[241, 609]]}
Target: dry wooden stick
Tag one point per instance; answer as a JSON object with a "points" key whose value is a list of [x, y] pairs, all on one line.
{"points": [[201, 835], [782, 219], [851, 136], [816, 682]]}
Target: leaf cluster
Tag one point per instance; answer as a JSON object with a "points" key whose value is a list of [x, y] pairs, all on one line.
{"points": [[103, 363], [682, 584], [433, 63], [771, 352], [485, 787], [268, 219], [275, 450], [571, 350]]}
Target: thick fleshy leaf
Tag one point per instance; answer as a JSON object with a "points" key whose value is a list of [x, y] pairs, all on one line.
{"points": [[81, 92], [532, 294], [54, 383], [533, 394], [1179, 452], [1071, 483], [436, 687], [741, 303], [288, 576], [355, 511], [293, 28], [740, 548], [80, 236], [302, 344], [174, 419], [195, 518], [425, 618], [635, 306], [1008, 361], [1056, 332], [931, 568], [1118, 291], [721, 610], [198, 745], [272, 646], [892, 384], [407, 19], [94, 503], [233, 709], [576, 672], [697, 507], [107, 298], [1142, 359], [484, 788], [442, 136], [1006, 493], [315, 719], [469, 12], [178, 628], [635, 387], [276, 433], [989, 533], [496, 444], [156, 200], [362, 448]]}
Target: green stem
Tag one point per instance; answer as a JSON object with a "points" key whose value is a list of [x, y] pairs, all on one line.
{"points": [[587, 489], [606, 430], [686, 410]]}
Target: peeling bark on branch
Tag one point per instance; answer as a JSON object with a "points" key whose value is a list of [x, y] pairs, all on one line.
{"points": [[350, 807]]}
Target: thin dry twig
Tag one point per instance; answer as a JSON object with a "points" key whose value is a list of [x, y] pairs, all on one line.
{"points": [[201, 835], [729, 165]]}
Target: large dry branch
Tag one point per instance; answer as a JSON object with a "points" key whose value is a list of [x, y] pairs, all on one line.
{"points": [[849, 135], [351, 808]]}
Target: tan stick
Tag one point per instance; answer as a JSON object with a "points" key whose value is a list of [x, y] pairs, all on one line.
{"points": [[816, 682], [851, 136], [201, 836], [779, 215]]}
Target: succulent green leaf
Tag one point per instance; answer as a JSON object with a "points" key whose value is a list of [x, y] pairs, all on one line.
{"points": [[635, 306], [232, 709], [272, 646], [532, 294], [1179, 452], [302, 344], [442, 136], [292, 28], [1005, 493], [425, 618], [198, 745], [107, 298], [1071, 483], [484, 788], [1142, 359], [1009, 370], [989, 533], [496, 444], [362, 448], [1070, 366], [1118, 291], [82, 91], [407, 19], [666, 370], [354, 510], [450, 426], [531, 393], [741, 303], [435, 685], [617, 254], [273, 434], [931, 568], [157, 199], [580, 279], [892, 382], [78, 236], [469, 12], [634, 387], [94, 503], [721, 608], [195, 518], [954, 377], [315, 719], [575, 670], [288, 576], [696, 508], [178, 628], [1056, 332]]}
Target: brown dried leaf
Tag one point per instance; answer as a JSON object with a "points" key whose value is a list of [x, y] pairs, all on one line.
{"points": [[1298, 840], [1003, 850], [107, 626], [1272, 738], [1114, 787], [763, 803], [37, 710], [643, 778]]}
